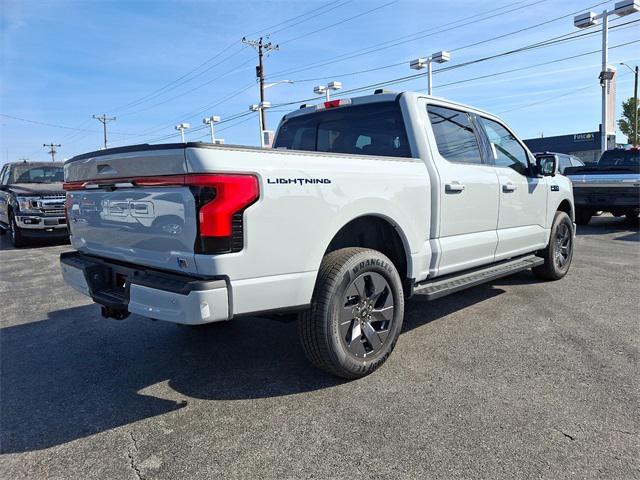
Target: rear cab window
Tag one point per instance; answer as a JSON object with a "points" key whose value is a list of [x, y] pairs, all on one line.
{"points": [[620, 158], [455, 136], [369, 129]]}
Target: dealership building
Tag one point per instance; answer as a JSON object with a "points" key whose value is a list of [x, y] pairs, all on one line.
{"points": [[585, 146]]}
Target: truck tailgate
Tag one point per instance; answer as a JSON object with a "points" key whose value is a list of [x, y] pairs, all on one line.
{"points": [[111, 217]]}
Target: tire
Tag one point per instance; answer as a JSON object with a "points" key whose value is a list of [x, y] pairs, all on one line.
{"points": [[15, 234], [583, 216], [559, 253], [356, 313], [632, 216]]}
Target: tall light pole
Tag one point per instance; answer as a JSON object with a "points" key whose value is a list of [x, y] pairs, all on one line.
{"points": [[589, 19], [52, 149], [260, 108], [635, 103], [211, 121], [420, 63], [182, 127], [103, 119], [326, 89]]}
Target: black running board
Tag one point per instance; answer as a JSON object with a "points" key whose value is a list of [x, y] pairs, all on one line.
{"points": [[439, 287]]}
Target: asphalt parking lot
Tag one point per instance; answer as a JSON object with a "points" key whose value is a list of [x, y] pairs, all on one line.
{"points": [[516, 379]]}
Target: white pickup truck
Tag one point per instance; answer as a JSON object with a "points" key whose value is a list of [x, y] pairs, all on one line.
{"points": [[361, 203]]}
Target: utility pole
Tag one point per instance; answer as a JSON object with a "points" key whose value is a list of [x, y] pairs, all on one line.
{"points": [[261, 47], [103, 119], [635, 109], [52, 149], [635, 104]]}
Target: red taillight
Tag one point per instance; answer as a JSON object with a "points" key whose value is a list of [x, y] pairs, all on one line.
{"points": [[233, 193]]}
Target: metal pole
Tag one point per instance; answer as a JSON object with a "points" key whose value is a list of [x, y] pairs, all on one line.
{"points": [[429, 76], [327, 94], [212, 137], [635, 109], [605, 61], [182, 134], [261, 125]]}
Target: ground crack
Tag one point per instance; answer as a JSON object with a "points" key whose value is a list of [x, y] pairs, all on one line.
{"points": [[565, 434], [132, 453]]}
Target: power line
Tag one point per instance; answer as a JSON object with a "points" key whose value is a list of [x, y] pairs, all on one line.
{"points": [[183, 78], [408, 38], [326, 27], [65, 127], [430, 32]]}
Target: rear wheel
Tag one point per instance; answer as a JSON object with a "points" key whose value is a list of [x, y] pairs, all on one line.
{"points": [[356, 313], [583, 216], [15, 234], [632, 216], [558, 254]]}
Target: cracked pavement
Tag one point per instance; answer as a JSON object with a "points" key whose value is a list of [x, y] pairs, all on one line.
{"points": [[516, 379]]}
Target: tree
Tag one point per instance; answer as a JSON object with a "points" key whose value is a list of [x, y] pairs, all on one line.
{"points": [[627, 122]]}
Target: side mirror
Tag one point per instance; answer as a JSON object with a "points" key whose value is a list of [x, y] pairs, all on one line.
{"points": [[547, 165]]}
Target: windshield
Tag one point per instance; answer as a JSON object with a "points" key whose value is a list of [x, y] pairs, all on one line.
{"points": [[370, 129], [40, 174], [620, 158]]}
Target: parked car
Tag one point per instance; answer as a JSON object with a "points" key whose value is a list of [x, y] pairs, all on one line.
{"points": [[612, 185], [563, 160], [32, 201], [361, 204]]}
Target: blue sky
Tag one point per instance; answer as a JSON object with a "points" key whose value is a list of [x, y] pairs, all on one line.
{"points": [[63, 61]]}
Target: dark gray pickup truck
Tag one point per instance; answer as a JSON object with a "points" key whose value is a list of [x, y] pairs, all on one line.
{"points": [[32, 201], [612, 185]]}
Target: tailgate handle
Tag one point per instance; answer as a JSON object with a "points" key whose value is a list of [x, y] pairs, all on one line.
{"points": [[105, 168]]}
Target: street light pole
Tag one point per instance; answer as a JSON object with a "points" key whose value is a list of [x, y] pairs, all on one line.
{"points": [[182, 127], [420, 63], [605, 83], [260, 109], [326, 89], [211, 121], [589, 19]]}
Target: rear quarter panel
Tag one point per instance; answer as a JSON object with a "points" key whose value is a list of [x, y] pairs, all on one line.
{"points": [[290, 227]]}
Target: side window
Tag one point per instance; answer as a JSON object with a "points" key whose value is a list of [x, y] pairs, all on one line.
{"points": [[506, 150], [577, 162], [455, 137], [565, 161]]}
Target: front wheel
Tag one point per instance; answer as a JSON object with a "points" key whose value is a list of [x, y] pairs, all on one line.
{"points": [[15, 234], [559, 253], [356, 313]]}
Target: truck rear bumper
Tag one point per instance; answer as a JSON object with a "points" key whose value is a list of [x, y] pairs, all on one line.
{"points": [[124, 289]]}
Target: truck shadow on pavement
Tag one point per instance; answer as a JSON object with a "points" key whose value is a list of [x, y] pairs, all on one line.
{"points": [[627, 230], [75, 374]]}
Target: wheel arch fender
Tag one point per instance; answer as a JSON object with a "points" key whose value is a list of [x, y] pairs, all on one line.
{"points": [[376, 231]]}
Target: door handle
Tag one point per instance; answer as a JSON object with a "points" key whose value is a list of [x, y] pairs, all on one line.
{"points": [[454, 187], [509, 187]]}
